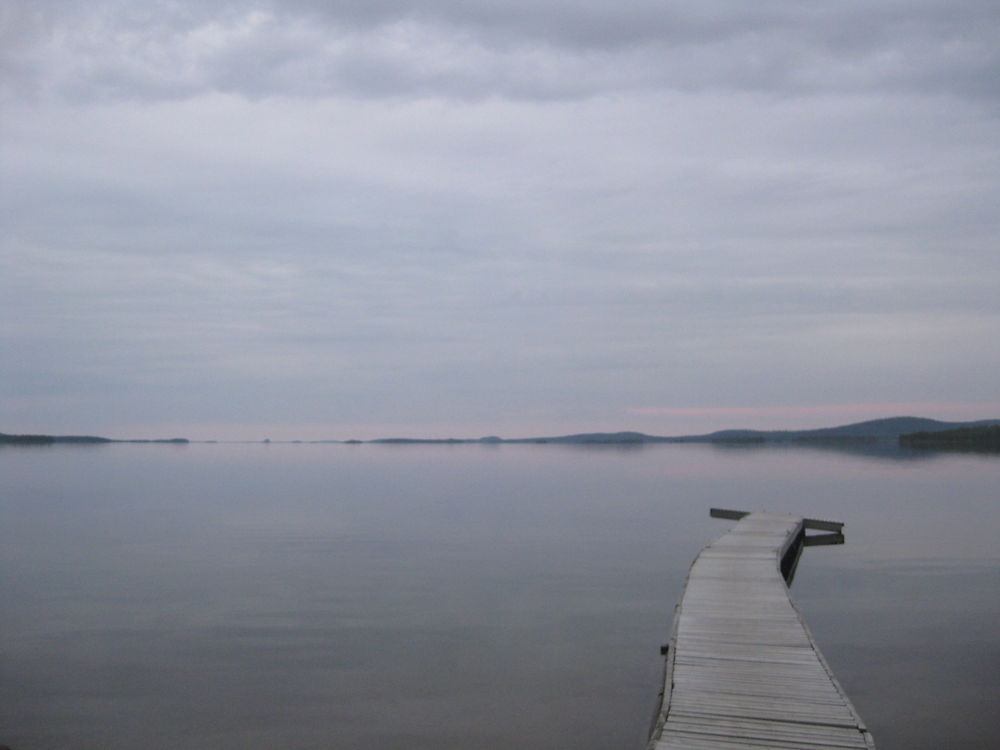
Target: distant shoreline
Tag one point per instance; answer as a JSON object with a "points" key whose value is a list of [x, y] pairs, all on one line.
{"points": [[78, 439], [984, 438], [907, 432]]}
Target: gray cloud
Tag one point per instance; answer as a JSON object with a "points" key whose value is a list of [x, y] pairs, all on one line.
{"points": [[522, 50]]}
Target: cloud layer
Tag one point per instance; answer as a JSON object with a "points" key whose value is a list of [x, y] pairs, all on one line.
{"points": [[494, 216]]}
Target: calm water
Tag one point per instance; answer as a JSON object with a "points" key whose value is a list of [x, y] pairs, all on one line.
{"points": [[440, 597]]}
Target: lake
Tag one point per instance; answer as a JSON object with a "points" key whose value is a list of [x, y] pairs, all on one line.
{"points": [[227, 596]]}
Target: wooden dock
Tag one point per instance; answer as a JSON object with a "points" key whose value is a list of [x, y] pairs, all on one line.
{"points": [[742, 670]]}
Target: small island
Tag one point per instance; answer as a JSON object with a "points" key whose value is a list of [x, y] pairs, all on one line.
{"points": [[80, 439]]}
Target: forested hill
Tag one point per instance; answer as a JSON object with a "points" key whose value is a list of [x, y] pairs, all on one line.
{"points": [[890, 428], [876, 429]]}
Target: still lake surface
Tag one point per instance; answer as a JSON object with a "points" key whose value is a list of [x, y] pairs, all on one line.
{"points": [[439, 597]]}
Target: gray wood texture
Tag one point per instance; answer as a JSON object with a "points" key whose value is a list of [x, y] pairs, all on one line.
{"points": [[742, 669]]}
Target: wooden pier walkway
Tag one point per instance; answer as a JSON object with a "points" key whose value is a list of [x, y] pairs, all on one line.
{"points": [[742, 669]]}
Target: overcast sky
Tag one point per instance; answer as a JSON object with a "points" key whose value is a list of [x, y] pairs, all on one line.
{"points": [[306, 219]]}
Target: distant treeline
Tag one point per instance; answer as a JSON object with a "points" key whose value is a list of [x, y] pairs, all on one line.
{"points": [[985, 439], [49, 439], [27, 439]]}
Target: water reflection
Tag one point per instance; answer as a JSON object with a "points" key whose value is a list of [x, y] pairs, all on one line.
{"points": [[455, 596]]}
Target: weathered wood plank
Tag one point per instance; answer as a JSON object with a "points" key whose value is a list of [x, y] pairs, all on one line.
{"points": [[742, 669]]}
